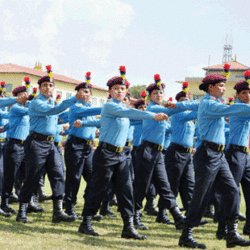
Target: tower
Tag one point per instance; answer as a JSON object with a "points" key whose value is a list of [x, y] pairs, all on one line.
{"points": [[227, 51]]}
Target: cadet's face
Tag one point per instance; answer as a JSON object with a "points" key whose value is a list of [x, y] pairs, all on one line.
{"points": [[157, 96], [217, 90], [142, 107], [47, 89], [22, 94], [86, 94], [118, 92], [183, 99], [126, 101], [244, 96]]}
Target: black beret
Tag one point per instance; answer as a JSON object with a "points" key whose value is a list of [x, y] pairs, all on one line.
{"points": [[18, 90], [153, 86], [242, 85], [116, 80], [138, 103], [45, 79], [179, 95], [83, 85]]}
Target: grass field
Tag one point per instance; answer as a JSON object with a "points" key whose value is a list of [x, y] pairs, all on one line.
{"points": [[41, 233]]}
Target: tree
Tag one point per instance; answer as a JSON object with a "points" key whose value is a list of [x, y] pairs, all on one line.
{"points": [[136, 91]]}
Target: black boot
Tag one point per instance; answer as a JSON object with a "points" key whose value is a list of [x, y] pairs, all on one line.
{"points": [[150, 207], [178, 217], [203, 222], [246, 229], [162, 218], [71, 211], [137, 221], [86, 226], [129, 231], [104, 210], [113, 202], [4, 214], [22, 214], [41, 195], [209, 213], [13, 198], [6, 207], [33, 207], [222, 232], [233, 237], [58, 214], [187, 239], [97, 217]]}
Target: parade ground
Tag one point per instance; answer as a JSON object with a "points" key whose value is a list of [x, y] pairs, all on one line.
{"points": [[41, 233]]}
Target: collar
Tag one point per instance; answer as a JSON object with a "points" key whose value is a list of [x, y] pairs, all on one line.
{"points": [[84, 103]]}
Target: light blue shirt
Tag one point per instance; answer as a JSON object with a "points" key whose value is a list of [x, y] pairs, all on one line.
{"points": [[239, 129], [130, 133], [115, 122], [58, 137], [64, 117], [154, 131], [7, 101], [77, 112], [211, 113], [43, 114], [4, 119], [19, 125], [183, 128]]}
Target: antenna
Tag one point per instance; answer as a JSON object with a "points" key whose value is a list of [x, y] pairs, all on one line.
{"points": [[208, 65], [227, 51]]}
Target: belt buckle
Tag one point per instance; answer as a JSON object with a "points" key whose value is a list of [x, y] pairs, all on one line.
{"points": [[50, 139], [189, 150], [159, 147], [245, 150], [119, 150], [88, 142], [22, 141]]}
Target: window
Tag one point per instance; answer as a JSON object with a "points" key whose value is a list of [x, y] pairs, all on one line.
{"points": [[68, 95], [8, 87], [102, 102], [94, 101], [59, 93]]}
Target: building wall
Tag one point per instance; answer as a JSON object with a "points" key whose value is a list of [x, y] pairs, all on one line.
{"points": [[66, 90]]}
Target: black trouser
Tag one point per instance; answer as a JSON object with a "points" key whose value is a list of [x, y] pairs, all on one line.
{"points": [[39, 155], [78, 160], [212, 170], [239, 164], [110, 166], [150, 167], [2, 148], [180, 170], [14, 162]]}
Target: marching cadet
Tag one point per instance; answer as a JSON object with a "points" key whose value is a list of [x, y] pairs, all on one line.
{"points": [[109, 160], [211, 167], [4, 116], [14, 160], [40, 151], [79, 147], [237, 153], [149, 164]]}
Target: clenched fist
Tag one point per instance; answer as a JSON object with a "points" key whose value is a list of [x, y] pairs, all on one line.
{"points": [[170, 105], [160, 117], [77, 124]]}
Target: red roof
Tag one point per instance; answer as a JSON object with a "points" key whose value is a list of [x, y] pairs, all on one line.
{"points": [[235, 66], [14, 68]]}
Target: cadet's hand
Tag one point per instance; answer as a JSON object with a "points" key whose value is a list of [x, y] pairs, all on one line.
{"points": [[77, 124], [61, 133], [60, 121], [22, 99], [160, 117], [65, 127], [170, 105], [79, 95], [1, 130]]}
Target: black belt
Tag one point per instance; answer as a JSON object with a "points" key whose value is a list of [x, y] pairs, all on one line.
{"points": [[42, 137], [81, 140], [214, 146], [111, 147], [17, 141], [239, 148], [129, 143], [182, 148], [154, 145]]}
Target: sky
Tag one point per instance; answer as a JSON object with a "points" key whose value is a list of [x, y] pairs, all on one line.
{"points": [[170, 38]]}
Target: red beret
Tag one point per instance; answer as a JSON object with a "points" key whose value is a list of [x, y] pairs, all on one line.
{"points": [[116, 80], [138, 103], [18, 90], [213, 79], [179, 95], [45, 79], [242, 85], [83, 85], [153, 86]]}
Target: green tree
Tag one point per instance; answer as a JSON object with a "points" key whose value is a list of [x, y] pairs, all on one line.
{"points": [[136, 91]]}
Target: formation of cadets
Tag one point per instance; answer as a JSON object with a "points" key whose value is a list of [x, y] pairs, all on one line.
{"points": [[141, 153]]}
